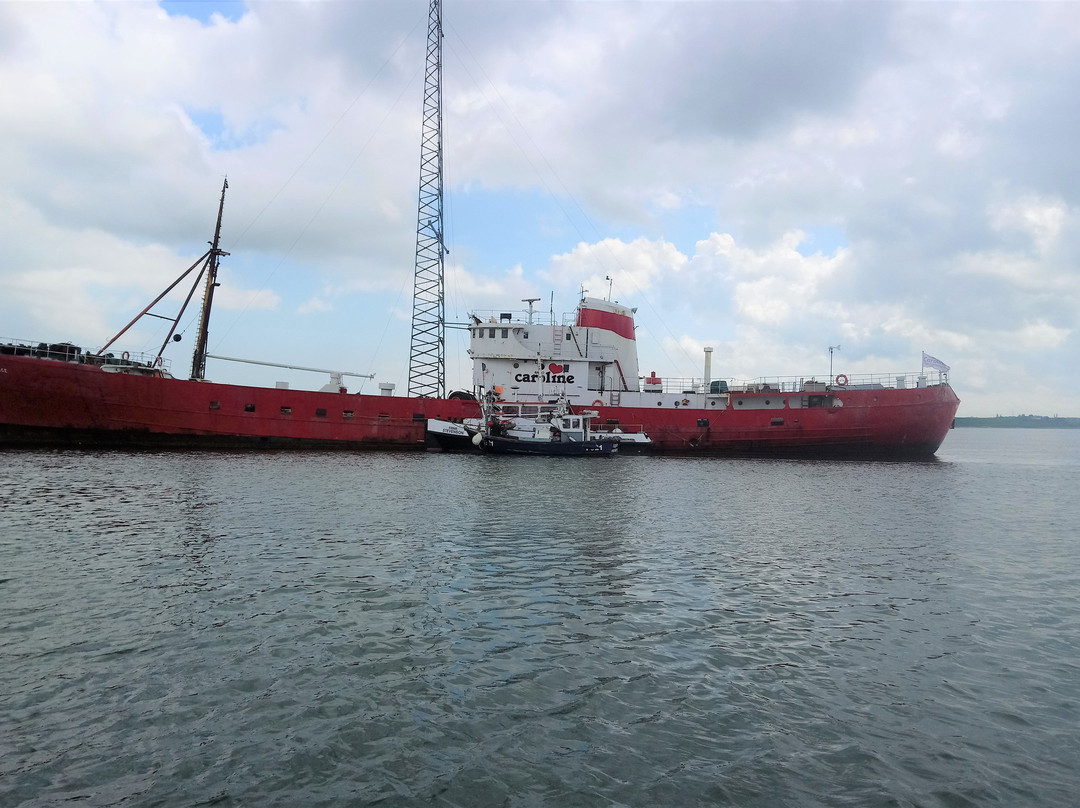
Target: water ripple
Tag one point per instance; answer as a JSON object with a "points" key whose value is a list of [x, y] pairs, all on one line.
{"points": [[204, 629]]}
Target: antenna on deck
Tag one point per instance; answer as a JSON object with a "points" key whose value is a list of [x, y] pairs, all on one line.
{"points": [[530, 301], [427, 350]]}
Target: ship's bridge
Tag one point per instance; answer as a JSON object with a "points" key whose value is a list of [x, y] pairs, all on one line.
{"points": [[584, 352]]}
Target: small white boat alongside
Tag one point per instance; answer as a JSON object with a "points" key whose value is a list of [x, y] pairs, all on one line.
{"points": [[534, 427]]}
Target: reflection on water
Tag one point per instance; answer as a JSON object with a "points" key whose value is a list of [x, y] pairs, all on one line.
{"points": [[427, 629]]}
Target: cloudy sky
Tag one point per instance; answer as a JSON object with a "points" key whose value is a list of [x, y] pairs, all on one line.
{"points": [[765, 178]]}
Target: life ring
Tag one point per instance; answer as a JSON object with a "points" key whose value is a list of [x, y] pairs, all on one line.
{"points": [[842, 380], [157, 362], [598, 403], [125, 356]]}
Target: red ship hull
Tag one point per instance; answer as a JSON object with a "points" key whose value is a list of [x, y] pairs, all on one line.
{"points": [[904, 423], [44, 402], [47, 402]]}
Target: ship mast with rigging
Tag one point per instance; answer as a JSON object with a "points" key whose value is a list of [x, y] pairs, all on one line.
{"points": [[198, 359], [207, 264]]}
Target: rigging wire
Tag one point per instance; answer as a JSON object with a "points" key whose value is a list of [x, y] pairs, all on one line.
{"points": [[237, 240], [601, 241]]}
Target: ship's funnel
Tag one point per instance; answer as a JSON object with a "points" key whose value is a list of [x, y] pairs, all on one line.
{"points": [[708, 367]]}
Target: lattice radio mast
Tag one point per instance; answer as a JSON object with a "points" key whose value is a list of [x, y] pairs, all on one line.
{"points": [[427, 354]]}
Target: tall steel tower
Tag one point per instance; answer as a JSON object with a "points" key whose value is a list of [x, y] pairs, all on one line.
{"points": [[427, 358]]}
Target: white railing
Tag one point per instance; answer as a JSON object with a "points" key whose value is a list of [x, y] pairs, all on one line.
{"points": [[798, 384], [518, 317], [66, 352]]}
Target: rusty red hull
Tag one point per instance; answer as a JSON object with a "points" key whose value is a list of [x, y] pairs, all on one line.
{"points": [[48, 402], [904, 423]]}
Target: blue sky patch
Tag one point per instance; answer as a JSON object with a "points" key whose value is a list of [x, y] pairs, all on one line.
{"points": [[203, 10], [211, 122], [528, 227], [825, 239]]}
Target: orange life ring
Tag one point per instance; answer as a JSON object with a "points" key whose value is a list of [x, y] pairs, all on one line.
{"points": [[842, 380], [598, 403]]}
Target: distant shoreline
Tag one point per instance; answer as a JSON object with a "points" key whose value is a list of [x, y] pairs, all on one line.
{"points": [[1019, 422]]}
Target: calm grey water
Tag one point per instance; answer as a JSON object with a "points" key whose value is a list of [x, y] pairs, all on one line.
{"points": [[397, 629]]}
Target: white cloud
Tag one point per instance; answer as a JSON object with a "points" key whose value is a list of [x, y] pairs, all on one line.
{"points": [[1042, 219], [315, 305], [632, 267], [935, 141]]}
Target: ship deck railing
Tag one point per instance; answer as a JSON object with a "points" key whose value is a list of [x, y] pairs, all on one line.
{"points": [[797, 384], [67, 352], [495, 317]]}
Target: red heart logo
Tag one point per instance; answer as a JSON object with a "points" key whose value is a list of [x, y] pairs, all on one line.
{"points": [[555, 368]]}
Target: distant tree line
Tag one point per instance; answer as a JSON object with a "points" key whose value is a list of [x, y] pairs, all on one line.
{"points": [[1021, 422]]}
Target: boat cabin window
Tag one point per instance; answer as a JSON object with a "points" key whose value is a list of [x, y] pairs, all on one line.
{"points": [[286, 410], [491, 333], [505, 333], [347, 414], [320, 413], [509, 409], [249, 408], [530, 409]]}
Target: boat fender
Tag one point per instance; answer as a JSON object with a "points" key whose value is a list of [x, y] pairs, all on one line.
{"points": [[842, 380], [476, 439], [125, 356], [598, 403]]}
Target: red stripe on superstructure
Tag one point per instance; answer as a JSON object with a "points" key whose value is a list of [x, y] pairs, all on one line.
{"points": [[608, 320]]}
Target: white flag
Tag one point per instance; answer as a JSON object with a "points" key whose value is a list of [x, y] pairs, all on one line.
{"points": [[936, 364]]}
